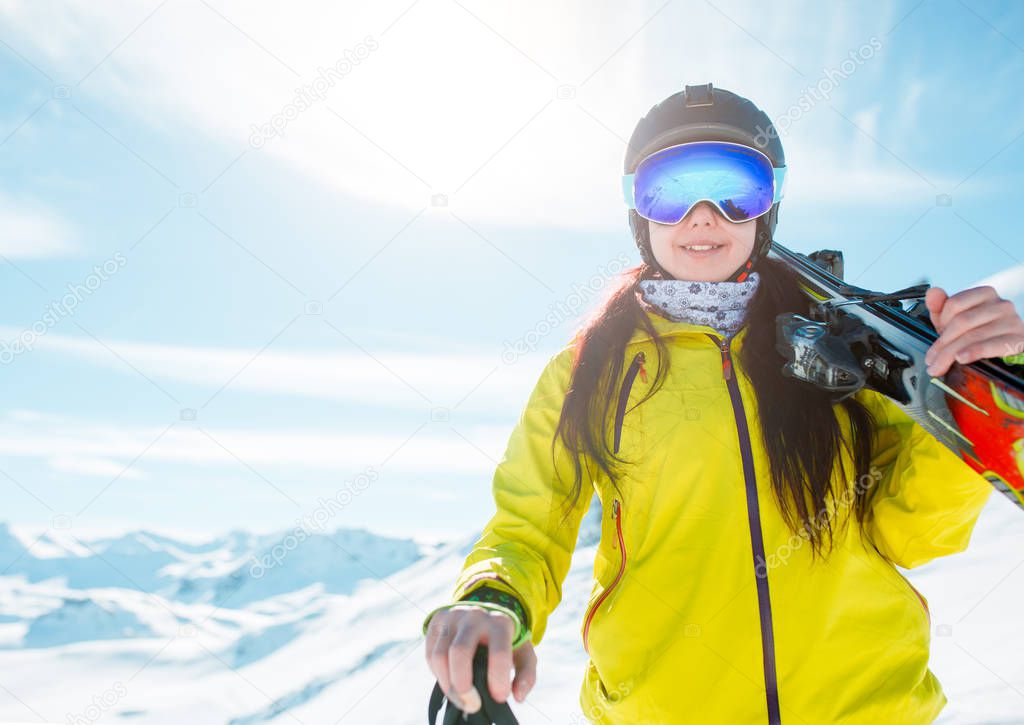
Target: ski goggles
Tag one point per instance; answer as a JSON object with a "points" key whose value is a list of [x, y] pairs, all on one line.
{"points": [[737, 179]]}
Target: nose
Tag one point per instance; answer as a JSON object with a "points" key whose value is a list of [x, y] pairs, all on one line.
{"points": [[703, 213]]}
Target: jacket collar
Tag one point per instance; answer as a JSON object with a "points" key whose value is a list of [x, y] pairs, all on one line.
{"points": [[667, 327]]}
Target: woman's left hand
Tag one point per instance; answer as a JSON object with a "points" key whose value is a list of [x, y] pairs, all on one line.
{"points": [[972, 324]]}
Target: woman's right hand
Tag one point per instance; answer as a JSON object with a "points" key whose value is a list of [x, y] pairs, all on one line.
{"points": [[452, 638]]}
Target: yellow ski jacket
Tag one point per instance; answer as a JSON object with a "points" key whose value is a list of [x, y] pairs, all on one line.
{"points": [[705, 607]]}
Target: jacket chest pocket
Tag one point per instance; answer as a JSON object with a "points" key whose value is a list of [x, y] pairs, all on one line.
{"points": [[692, 387], [631, 389]]}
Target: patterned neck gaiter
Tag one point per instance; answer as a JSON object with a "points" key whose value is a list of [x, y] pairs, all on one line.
{"points": [[721, 305]]}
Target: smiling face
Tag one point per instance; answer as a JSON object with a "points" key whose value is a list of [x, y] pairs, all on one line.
{"points": [[703, 225]]}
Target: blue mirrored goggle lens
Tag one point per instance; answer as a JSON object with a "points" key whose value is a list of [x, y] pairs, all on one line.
{"points": [[739, 180]]}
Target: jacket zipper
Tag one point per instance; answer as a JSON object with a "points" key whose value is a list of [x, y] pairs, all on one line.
{"points": [[756, 536], [627, 384], [617, 514]]}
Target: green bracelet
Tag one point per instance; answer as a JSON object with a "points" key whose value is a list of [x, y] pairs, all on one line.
{"points": [[522, 633], [488, 593], [1017, 359]]}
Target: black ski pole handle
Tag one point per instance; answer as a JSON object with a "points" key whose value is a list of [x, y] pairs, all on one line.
{"points": [[490, 712]]}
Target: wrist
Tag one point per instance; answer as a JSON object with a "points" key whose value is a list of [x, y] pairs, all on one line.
{"points": [[521, 632], [503, 601]]}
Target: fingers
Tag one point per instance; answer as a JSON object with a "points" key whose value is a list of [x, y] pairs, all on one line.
{"points": [[469, 633], [992, 345], [439, 637], [454, 635], [966, 322], [962, 301], [970, 326], [526, 671], [499, 655], [934, 298]]}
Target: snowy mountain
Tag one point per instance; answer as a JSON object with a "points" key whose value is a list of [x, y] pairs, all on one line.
{"points": [[235, 570], [145, 628]]}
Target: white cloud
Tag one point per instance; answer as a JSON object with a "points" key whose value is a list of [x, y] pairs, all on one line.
{"points": [[472, 382], [30, 231], [864, 151], [85, 447], [907, 116], [1009, 283], [844, 184], [445, 98], [102, 467]]}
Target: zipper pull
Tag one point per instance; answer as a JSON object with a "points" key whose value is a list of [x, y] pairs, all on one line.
{"points": [[615, 508], [643, 370], [726, 360]]}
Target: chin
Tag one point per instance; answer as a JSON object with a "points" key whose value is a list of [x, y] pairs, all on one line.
{"points": [[718, 272], [699, 275]]}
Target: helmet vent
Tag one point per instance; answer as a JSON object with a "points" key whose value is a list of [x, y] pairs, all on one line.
{"points": [[699, 95]]}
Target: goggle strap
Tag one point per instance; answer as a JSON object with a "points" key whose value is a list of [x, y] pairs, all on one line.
{"points": [[627, 190], [780, 183], [746, 271]]}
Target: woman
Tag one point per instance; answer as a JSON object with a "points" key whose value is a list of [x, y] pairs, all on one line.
{"points": [[750, 527]]}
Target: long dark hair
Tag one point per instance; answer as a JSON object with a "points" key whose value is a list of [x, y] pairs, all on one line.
{"points": [[801, 431]]}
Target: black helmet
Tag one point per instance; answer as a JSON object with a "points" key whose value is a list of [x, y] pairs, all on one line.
{"points": [[703, 113]]}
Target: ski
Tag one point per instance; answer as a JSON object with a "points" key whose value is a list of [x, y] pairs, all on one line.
{"points": [[855, 337]]}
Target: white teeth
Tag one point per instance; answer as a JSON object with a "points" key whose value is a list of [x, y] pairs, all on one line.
{"points": [[703, 247]]}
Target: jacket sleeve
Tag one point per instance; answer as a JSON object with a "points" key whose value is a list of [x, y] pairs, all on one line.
{"points": [[926, 500], [522, 549]]}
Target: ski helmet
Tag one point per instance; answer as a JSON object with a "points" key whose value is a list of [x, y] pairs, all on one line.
{"points": [[703, 113]]}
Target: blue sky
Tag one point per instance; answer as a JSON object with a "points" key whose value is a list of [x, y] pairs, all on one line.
{"points": [[280, 317]]}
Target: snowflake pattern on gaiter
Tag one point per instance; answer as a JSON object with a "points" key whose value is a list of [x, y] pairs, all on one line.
{"points": [[721, 305]]}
